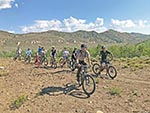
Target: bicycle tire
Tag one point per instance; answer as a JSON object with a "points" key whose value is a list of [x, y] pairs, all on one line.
{"points": [[88, 79], [110, 69], [45, 62], [95, 69]]}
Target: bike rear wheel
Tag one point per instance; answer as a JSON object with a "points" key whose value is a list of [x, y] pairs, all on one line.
{"points": [[112, 72], [96, 69], [45, 62], [68, 63], [54, 65], [88, 85]]}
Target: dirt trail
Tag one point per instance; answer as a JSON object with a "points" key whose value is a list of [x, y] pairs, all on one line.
{"points": [[45, 90]]}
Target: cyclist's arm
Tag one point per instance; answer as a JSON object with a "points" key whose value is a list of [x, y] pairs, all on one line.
{"points": [[110, 55], [100, 54], [89, 59]]}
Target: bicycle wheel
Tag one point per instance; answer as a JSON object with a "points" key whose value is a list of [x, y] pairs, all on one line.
{"points": [[61, 61], [54, 65], [112, 72], [45, 62], [68, 63], [88, 85], [80, 79], [96, 69]]}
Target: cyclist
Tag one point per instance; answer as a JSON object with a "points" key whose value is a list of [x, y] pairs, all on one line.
{"points": [[103, 56], [18, 53], [43, 53], [65, 56], [28, 52], [53, 54], [81, 55], [40, 49], [74, 58]]}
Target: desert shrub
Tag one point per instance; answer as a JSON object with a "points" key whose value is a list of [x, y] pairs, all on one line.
{"points": [[19, 101], [115, 91]]}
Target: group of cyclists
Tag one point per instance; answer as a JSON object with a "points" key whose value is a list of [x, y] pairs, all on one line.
{"points": [[78, 56], [78, 60]]}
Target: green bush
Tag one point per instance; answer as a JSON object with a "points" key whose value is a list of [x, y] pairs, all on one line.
{"points": [[118, 51], [115, 91], [19, 101]]}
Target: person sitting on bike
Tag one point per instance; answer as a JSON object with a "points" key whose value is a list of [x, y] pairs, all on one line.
{"points": [[18, 53], [40, 49], [103, 56], [28, 52], [53, 53], [65, 56], [74, 58], [28, 55], [43, 53], [81, 55]]}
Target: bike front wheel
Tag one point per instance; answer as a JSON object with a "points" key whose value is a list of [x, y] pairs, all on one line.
{"points": [[112, 72], [88, 85]]}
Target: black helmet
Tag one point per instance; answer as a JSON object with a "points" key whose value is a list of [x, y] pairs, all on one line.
{"points": [[83, 46], [103, 47]]}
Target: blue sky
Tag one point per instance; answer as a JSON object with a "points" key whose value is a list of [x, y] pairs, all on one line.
{"points": [[22, 16]]}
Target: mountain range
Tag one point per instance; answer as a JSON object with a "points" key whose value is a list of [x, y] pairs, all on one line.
{"points": [[8, 41]]}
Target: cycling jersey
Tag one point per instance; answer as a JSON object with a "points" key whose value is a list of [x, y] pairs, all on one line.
{"points": [[28, 52], [74, 54], [53, 52], [40, 51], [19, 51], [82, 55], [104, 55], [65, 54]]}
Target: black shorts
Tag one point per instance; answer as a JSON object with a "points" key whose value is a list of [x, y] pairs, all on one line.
{"points": [[82, 62]]}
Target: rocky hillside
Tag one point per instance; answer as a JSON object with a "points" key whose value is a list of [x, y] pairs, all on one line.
{"points": [[8, 41]]}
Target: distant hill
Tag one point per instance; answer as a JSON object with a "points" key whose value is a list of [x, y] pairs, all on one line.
{"points": [[47, 39], [145, 43]]}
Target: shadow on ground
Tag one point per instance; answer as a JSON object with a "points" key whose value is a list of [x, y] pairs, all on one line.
{"points": [[68, 89]]}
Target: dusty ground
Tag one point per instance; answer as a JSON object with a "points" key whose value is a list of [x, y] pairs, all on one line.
{"points": [[44, 88]]}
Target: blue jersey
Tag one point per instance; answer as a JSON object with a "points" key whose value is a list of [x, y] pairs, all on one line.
{"points": [[28, 52], [40, 51]]}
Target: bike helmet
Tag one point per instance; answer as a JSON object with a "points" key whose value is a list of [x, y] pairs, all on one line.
{"points": [[103, 47], [83, 46]]}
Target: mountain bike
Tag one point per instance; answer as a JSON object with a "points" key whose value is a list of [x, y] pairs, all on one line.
{"points": [[86, 81], [110, 70], [53, 63], [18, 56], [63, 61], [73, 64], [28, 58], [43, 60]]}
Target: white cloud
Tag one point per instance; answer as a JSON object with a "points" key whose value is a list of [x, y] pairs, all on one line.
{"points": [[4, 4], [72, 24], [67, 25], [140, 26], [42, 25], [16, 5], [10, 31], [123, 23]]}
